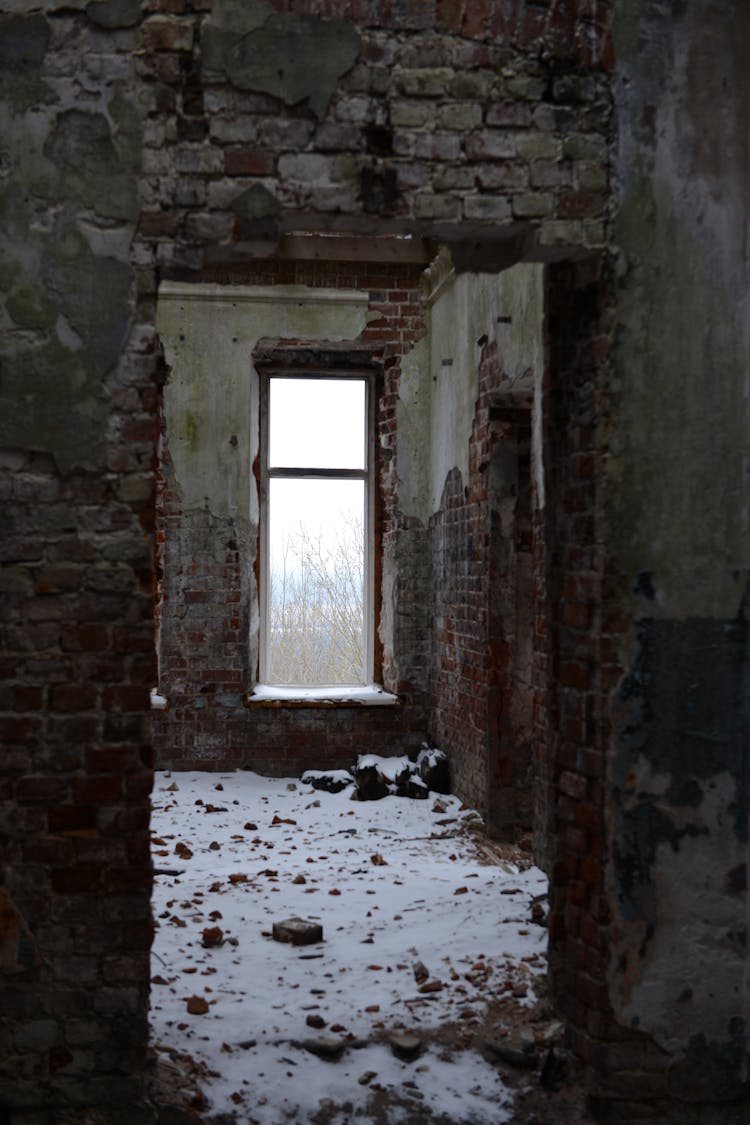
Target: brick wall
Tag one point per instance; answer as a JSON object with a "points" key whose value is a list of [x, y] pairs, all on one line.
{"points": [[77, 433], [489, 117], [578, 671], [208, 602], [479, 540], [77, 662], [482, 125], [75, 880]]}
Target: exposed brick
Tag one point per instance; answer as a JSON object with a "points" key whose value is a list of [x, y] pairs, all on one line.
{"points": [[247, 162]]}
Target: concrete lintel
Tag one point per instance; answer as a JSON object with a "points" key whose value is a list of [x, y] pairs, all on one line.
{"points": [[259, 294]]}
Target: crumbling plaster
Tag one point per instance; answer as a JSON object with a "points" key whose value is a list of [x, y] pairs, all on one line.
{"points": [[209, 334], [440, 379], [678, 531], [211, 400], [292, 56], [68, 221]]}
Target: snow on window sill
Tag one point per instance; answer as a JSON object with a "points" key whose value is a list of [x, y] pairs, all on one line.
{"points": [[273, 695], [159, 702]]}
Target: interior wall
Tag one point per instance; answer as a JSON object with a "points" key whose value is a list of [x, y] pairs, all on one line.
{"points": [[486, 360], [139, 148], [209, 618], [77, 444], [678, 531]]}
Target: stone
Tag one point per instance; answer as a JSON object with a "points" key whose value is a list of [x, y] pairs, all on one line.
{"points": [[539, 910], [370, 784], [406, 1047], [434, 769], [197, 1006], [212, 936], [297, 931], [329, 781], [494, 207], [114, 14], [533, 205], [292, 57], [555, 1069], [428, 206], [325, 1048], [425, 82], [413, 787], [517, 1052]]}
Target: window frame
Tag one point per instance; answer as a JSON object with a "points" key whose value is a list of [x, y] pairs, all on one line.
{"points": [[317, 371]]}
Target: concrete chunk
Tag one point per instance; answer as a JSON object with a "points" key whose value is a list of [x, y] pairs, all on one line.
{"points": [[297, 931]]}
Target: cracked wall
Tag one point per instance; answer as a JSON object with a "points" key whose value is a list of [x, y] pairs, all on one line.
{"points": [[486, 361], [139, 146], [208, 525], [678, 532], [77, 400]]}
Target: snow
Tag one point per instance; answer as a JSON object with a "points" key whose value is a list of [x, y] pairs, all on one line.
{"points": [[372, 695], [392, 882], [390, 768], [341, 777], [429, 756], [158, 702]]}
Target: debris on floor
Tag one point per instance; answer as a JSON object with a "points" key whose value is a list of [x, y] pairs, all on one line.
{"points": [[374, 777], [424, 954]]}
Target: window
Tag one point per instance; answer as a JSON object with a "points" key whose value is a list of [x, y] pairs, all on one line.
{"points": [[316, 529]]}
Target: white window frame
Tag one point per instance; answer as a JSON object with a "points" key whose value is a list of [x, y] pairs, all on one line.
{"points": [[367, 691]]}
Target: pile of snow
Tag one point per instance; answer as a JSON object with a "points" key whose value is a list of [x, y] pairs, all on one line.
{"points": [[375, 777], [399, 888]]}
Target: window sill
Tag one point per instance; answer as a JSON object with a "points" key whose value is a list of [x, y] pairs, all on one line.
{"points": [[271, 695], [159, 702]]}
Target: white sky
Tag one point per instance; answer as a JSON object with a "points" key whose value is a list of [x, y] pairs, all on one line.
{"points": [[317, 423]]}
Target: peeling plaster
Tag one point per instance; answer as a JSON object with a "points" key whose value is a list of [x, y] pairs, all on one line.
{"points": [[413, 432], [700, 965], [292, 56], [508, 307], [209, 333], [69, 291], [678, 531]]}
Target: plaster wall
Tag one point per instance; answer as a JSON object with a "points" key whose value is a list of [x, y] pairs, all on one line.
{"points": [[486, 359], [470, 310], [77, 445], [678, 532], [209, 622], [209, 333]]}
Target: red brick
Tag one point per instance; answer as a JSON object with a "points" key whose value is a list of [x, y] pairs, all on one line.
{"points": [[79, 879], [573, 784], [73, 697], [248, 162], [92, 790], [45, 790]]}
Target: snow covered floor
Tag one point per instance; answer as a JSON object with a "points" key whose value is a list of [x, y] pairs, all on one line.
{"points": [[393, 882]]}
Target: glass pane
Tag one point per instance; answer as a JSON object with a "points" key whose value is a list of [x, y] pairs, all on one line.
{"points": [[316, 603], [317, 422]]}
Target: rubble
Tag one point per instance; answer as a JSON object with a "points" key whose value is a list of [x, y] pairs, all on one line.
{"points": [[297, 931]]}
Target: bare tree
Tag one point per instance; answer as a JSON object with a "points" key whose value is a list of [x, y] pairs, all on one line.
{"points": [[316, 613]]}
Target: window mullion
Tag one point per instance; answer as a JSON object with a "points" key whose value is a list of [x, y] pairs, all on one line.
{"points": [[268, 473], [321, 474], [264, 569]]}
